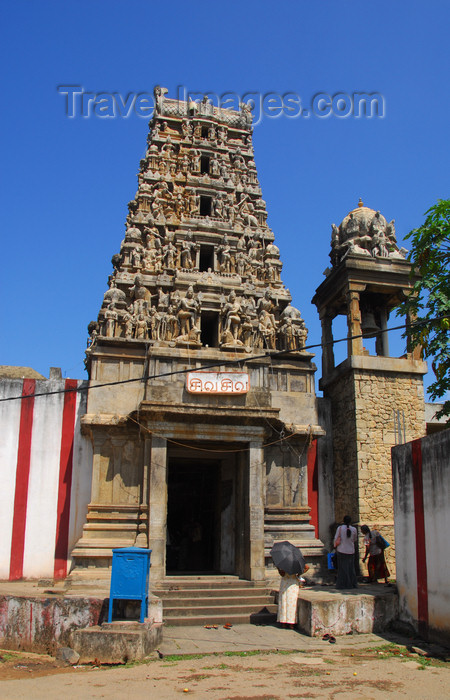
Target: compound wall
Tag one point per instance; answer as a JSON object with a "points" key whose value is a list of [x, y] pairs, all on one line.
{"points": [[421, 482], [45, 472]]}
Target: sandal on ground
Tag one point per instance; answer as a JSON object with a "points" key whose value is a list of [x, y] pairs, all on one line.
{"points": [[332, 640], [326, 637]]}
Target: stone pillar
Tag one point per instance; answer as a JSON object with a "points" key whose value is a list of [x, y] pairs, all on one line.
{"points": [[142, 536], [256, 511], [327, 346], [355, 346], [158, 508], [384, 340], [416, 353]]}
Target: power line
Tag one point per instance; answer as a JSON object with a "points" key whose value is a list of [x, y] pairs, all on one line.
{"points": [[270, 354]]}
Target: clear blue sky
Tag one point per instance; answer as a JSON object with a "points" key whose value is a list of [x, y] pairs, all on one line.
{"points": [[66, 182]]}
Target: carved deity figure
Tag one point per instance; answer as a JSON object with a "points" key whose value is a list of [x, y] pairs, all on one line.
{"points": [[186, 129], [141, 326], [224, 252], [128, 322], [231, 312], [380, 245], [140, 296], [169, 255], [195, 161], [218, 206], [188, 311], [265, 309], [214, 168], [187, 254]]}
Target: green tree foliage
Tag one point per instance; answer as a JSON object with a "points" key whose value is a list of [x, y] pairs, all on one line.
{"points": [[429, 300]]}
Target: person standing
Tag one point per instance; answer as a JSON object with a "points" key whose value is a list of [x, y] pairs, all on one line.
{"points": [[376, 565], [287, 598], [344, 541]]}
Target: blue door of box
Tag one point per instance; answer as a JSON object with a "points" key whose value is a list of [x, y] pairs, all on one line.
{"points": [[129, 577]]}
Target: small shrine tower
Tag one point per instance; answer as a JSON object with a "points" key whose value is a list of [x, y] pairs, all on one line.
{"points": [[372, 395], [201, 406]]}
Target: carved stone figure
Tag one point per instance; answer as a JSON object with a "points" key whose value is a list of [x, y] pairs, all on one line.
{"points": [[159, 93], [188, 310], [140, 295], [186, 128], [128, 323], [171, 324], [141, 326], [241, 263], [214, 167], [380, 245], [169, 255], [195, 161], [221, 136], [224, 252], [188, 251], [231, 311], [267, 330], [111, 317], [218, 206]]}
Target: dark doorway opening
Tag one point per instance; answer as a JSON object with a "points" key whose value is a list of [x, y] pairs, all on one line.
{"points": [[204, 165], [206, 258], [210, 329], [205, 205], [192, 538]]}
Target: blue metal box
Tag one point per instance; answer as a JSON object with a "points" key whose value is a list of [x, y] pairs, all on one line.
{"points": [[129, 577]]}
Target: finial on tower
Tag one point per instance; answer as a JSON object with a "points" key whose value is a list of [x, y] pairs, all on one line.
{"points": [[360, 203]]}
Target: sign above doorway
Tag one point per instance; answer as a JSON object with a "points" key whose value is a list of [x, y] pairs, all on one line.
{"points": [[217, 382]]}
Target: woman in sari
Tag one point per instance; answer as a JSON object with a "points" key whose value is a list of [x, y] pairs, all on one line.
{"points": [[376, 565]]}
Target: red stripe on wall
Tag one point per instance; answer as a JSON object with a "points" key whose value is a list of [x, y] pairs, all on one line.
{"points": [[421, 558], [22, 478], [313, 486], [65, 479]]}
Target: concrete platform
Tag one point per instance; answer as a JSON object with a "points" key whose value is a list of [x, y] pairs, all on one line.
{"points": [[366, 609], [242, 638], [36, 618]]}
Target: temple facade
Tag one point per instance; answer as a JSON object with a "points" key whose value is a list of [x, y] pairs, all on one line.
{"points": [[202, 411], [201, 436]]}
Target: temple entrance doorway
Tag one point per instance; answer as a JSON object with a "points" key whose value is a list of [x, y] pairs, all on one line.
{"points": [[201, 515]]}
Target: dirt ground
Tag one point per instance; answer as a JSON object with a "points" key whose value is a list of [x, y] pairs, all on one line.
{"points": [[365, 674]]}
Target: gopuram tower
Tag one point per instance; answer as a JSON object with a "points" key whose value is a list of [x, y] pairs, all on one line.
{"points": [[201, 405]]}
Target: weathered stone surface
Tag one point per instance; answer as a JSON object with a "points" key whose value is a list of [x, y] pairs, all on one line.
{"points": [[338, 614], [68, 655], [117, 642], [197, 285], [43, 624]]}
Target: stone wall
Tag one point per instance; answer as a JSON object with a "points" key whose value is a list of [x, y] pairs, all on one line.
{"points": [[371, 397], [421, 480], [377, 399], [45, 474]]}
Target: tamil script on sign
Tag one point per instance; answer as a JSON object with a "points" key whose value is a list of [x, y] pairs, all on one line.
{"points": [[217, 382]]}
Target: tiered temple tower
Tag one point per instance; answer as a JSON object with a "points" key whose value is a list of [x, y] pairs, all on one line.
{"points": [[377, 401], [200, 450]]}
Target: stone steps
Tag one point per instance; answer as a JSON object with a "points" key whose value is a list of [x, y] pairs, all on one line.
{"points": [[214, 600]]}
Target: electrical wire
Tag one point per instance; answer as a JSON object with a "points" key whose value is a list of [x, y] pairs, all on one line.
{"points": [[222, 362]]}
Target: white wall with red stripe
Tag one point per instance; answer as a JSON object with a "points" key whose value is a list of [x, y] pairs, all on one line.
{"points": [[421, 481], [45, 472]]}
